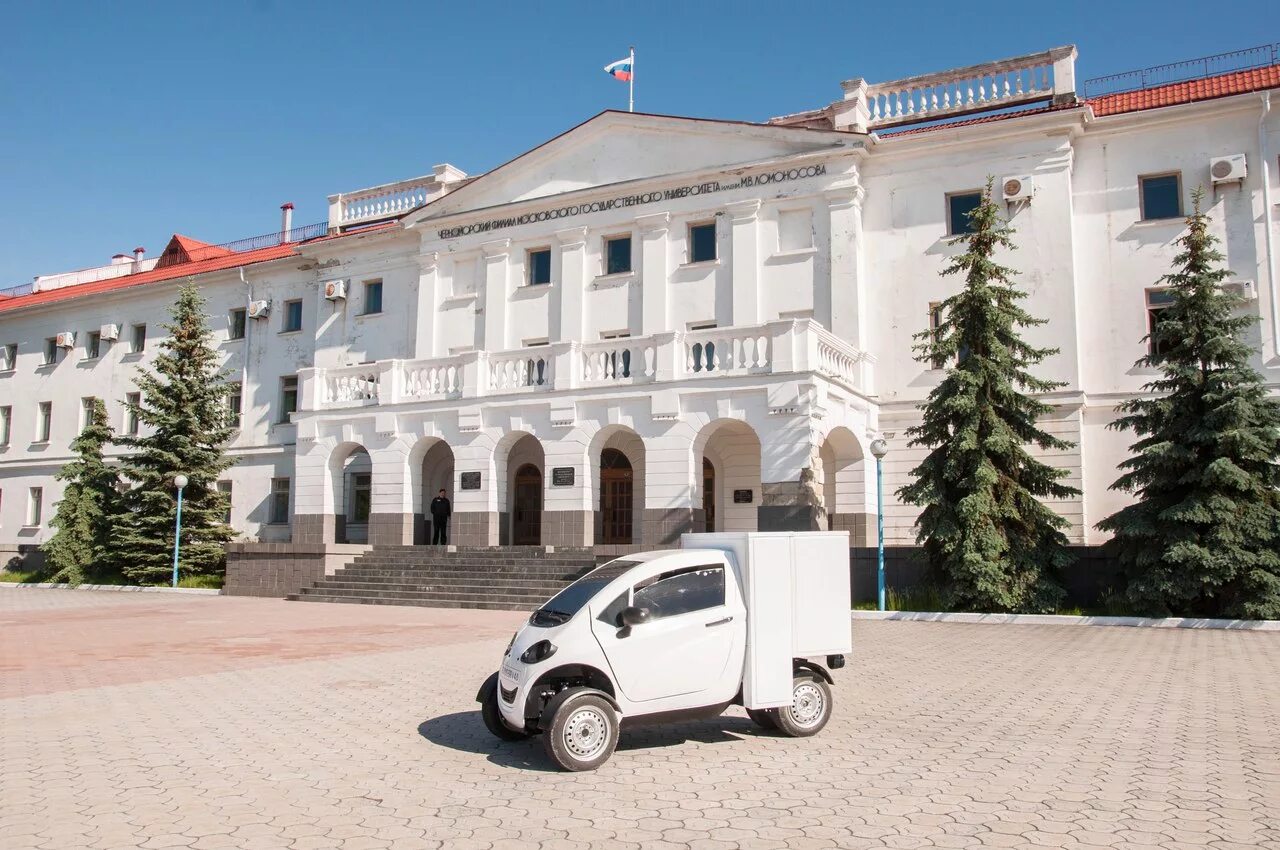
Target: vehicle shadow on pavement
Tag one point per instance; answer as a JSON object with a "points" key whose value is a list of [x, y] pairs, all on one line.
{"points": [[464, 731]]}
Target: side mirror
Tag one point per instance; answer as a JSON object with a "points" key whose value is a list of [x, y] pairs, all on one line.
{"points": [[633, 616]]}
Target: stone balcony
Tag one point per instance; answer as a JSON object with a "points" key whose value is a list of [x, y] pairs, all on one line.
{"points": [[791, 346]]}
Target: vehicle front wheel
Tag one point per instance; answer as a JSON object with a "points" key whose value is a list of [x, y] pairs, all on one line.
{"points": [[810, 707], [582, 734], [492, 716]]}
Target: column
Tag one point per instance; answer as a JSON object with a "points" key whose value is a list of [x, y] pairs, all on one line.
{"points": [[475, 510], [744, 267], [789, 453], [311, 493], [567, 516], [653, 270], [495, 294], [670, 487], [427, 307], [847, 307], [567, 320]]}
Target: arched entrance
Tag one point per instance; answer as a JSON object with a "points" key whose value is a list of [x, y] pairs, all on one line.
{"points": [[728, 475], [616, 497], [353, 498], [708, 495], [526, 506]]}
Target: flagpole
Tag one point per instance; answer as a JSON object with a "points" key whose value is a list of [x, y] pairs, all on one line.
{"points": [[631, 83]]}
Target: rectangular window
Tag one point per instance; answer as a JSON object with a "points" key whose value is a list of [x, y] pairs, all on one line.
{"points": [[617, 254], [1160, 196], [44, 422], [237, 324], [235, 395], [279, 501], [361, 498], [702, 242], [1158, 300], [681, 591], [288, 397], [51, 351], [93, 348], [86, 411], [795, 230], [131, 400], [35, 505], [372, 297], [6, 424], [139, 339], [539, 261], [224, 487], [935, 324], [959, 205], [292, 316], [9, 358]]}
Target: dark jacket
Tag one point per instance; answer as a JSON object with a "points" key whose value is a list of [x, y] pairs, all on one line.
{"points": [[441, 507]]}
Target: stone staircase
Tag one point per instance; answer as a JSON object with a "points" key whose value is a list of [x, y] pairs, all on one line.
{"points": [[497, 577]]}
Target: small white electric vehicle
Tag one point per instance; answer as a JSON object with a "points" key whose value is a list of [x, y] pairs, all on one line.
{"points": [[729, 618]]}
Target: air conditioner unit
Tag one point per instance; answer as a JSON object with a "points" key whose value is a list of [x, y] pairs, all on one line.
{"points": [[66, 339], [1228, 169], [335, 290], [1242, 288], [259, 309], [1017, 188], [109, 333]]}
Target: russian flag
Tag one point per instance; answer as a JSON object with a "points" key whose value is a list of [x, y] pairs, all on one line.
{"points": [[620, 70]]}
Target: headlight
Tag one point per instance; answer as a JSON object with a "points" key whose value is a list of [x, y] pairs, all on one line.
{"points": [[540, 651]]}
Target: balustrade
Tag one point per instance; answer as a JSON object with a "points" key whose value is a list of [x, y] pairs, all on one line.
{"points": [[623, 361], [350, 386], [520, 370], [727, 351], [424, 379]]}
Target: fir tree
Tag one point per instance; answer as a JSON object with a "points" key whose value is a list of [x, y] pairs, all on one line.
{"points": [[77, 552], [990, 542], [1203, 537], [182, 407]]}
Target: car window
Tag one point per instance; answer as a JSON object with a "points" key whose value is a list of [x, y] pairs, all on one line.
{"points": [[681, 591]]}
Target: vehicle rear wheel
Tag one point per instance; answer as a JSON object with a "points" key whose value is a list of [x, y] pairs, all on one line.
{"points": [[762, 718], [582, 734], [810, 707], [492, 717]]}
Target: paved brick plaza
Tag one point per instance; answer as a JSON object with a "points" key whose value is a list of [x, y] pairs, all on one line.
{"points": [[157, 720]]}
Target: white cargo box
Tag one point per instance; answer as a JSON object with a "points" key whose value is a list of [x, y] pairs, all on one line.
{"points": [[796, 588]]}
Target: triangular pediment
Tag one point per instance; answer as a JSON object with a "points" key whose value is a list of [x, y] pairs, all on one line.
{"points": [[619, 147]]}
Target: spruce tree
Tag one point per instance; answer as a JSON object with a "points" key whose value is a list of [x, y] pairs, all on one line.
{"points": [[1203, 537], [989, 540], [182, 409], [77, 552]]}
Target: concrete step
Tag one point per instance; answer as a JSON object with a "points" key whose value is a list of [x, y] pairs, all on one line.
{"points": [[545, 592], [478, 603]]}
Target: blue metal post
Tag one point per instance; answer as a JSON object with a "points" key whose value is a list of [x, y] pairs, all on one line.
{"points": [[880, 532], [177, 536]]}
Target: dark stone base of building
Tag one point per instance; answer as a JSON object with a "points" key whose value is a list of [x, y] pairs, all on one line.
{"points": [[272, 569]]}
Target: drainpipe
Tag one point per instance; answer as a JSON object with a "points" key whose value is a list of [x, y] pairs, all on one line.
{"points": [[1267, 224]]}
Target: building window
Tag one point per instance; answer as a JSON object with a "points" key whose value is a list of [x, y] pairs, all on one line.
{"points": [[1160, 196], [235, 395], [224, 487], [35, 505], [361, 498], [86, 411], [795, 230], [288, 397], [959, 205], [279, 501], [617, 254], [539, 261], [1158, 300], [292, 316], [935, 325], [139, 339], [93, 348], [8, 358], [132, 402], [50, 351], [702, 242], [6, 424], [372, 297], [237, 324], [44, 422]]}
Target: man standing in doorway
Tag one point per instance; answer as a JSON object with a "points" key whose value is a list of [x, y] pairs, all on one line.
{"points": [[441, 510]]}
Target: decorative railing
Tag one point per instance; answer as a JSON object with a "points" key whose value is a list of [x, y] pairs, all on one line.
{"points": [[1262, 56], [390, 199], [977, 88], [783, 347]]}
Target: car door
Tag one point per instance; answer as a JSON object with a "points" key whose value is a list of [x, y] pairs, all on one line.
{"points": [[693, 642]]}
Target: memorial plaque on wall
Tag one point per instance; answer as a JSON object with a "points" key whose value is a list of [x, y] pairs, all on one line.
{"points": [[469, 481], [562, 476], [743, 497]]}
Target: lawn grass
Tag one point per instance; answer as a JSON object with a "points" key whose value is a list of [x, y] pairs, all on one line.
{"points": [[201, 581], [18, 577]]}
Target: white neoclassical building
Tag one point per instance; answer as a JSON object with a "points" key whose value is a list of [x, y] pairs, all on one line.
{"points": [[652, 324]]}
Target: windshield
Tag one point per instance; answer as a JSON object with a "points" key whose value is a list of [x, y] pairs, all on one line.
{"points": [[569, 601]]}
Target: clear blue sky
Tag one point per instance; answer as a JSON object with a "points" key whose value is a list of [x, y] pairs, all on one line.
{"points": [[125, 122]]}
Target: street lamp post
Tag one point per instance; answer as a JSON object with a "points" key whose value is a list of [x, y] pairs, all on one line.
{"points": [[879, 448], [179, 481]]}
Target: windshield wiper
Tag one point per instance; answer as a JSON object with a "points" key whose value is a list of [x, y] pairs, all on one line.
{"points": [[555, 617]]}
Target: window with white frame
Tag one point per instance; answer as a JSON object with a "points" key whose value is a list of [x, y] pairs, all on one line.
{"points": [[279, 514], [372, 297], [960, 205], [288, 397], [139, 339], [44, 421], [935, 327], [1158, 300], [224, 487], [1160, 196], [9, 358], [617, 254], [132, 402], [702, 242], [86, 411], [50, 351], [35, 506], [93, 347], [235, 398], [539, 262], [237, 323], [6, 424]]}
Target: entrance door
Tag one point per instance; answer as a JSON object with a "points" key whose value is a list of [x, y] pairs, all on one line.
{"points": [[526, 520], [709, 495], [615, 497]]}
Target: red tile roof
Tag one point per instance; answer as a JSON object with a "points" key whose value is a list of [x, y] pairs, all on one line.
{"points": [[1223, 85]]}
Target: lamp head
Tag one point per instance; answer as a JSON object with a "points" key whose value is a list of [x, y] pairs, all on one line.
{"points": [[879, 448], [179, 481]]}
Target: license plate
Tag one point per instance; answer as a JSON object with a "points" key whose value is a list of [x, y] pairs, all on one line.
{"points": [[512, 673]]}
